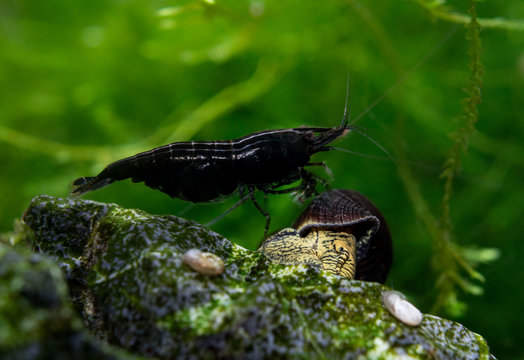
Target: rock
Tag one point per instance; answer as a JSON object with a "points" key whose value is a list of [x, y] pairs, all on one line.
{"points": [[126, 277], [37, 320]]}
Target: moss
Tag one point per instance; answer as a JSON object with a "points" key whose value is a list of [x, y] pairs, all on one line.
{"points": [[135, 292], [37, 319], [451, 256]]}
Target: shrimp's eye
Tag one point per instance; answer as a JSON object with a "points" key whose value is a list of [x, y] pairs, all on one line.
{"points": [[309, 136]]}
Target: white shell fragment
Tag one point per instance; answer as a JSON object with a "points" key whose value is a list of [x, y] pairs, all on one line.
{"points": [[204, 263], [402, 309]]}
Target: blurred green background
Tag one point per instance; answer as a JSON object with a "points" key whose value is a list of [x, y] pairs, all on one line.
{"points": [[85, 83]]}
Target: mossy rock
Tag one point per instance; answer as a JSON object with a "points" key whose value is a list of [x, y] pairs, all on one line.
{"points": [[37, 320], [126, 277]]}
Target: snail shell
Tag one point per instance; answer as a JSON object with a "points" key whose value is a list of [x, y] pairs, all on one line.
{"points": [[402, 309], [341, 231], [204, 263]]}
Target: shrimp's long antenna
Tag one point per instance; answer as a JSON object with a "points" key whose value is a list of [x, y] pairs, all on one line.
{"points": [[435, 169], [437, 46], [347, 110], [354, 128]]}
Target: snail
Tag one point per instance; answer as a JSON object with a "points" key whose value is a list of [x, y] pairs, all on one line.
{"points": [[341, 232], [402, 309], [204, 263]]}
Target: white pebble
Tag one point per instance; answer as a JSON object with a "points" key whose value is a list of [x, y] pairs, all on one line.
{"points": [[402, 309], [204, 263]]}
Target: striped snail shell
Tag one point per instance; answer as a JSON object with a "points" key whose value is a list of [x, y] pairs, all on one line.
{"points": [[342, 232]]}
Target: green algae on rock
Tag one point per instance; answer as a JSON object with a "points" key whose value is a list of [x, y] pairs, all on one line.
{"points": [[127, 278], [37, 320]]}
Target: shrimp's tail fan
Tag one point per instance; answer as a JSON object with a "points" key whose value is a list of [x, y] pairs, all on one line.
{"points": [[89, 183]]}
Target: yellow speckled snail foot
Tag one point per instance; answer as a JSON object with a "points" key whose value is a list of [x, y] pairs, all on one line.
{"points": [[330, 250], [341, 232]]}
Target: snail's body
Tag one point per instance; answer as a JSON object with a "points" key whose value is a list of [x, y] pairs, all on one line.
{"points": [[329, 250], [342, 232]]}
